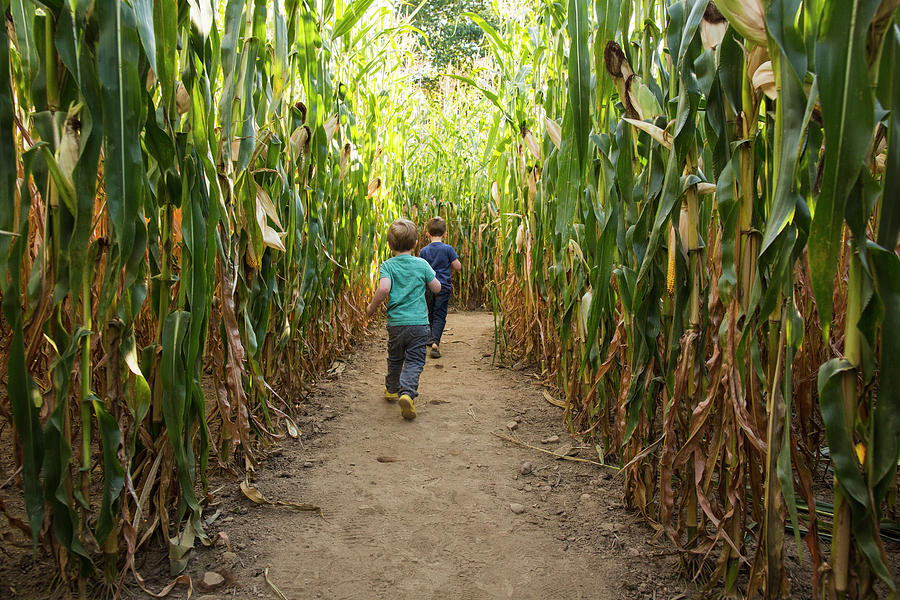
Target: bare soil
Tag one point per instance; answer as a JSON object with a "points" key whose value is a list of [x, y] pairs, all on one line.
{"points": [[421, 509]]}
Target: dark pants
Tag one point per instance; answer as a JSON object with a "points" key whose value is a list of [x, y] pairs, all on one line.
{"points": [[437, 313], [406, 358]]}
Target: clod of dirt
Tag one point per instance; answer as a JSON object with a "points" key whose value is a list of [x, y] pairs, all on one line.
{"points": [[229, 558], [512, 425], [585, 497], [550, 440], [307, 465], [211, 580], [526, 468], [517, 508]]}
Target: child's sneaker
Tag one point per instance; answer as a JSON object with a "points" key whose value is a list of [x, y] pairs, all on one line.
{"points": [[435, 352], [390, 396], [407, 407]]}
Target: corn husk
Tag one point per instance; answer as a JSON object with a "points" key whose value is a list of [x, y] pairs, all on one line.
{"points": [[531, 180], [684, 226], [553, 131], [345, 159], [374, 186], [520, 237], [533, 145], [617, 64], [620, 70], [764, 80], [584, 313], [300, 140], [182, 99], [642, 99], [330, 127], [712, 27], [495, 192], [70, 144], [748, 17]]}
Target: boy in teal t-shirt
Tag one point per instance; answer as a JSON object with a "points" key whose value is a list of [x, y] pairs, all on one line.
{"points": [[402, 281]]}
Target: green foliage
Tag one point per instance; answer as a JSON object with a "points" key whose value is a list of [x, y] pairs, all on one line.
{"points": [[447, 37]]}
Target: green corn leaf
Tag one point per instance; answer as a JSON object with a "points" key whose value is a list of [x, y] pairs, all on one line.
{"points": [[20, 388], [143, 13], [488, 29], [793, 117], [848, 114], [889, 220], [488, 93], [119, 48], [23, 19], [165, 16], [607, 13], [175, 401], [58, 452], [885, 442], [695, 10], [579, 83], [846, 466], [113, 472], [350, 17]]}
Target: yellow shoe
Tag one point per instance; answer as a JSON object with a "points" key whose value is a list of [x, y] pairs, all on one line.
{"points": [[407, 407], [390, 396]]}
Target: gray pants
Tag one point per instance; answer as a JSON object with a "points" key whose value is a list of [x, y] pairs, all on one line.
{"points": [[406, 358]]}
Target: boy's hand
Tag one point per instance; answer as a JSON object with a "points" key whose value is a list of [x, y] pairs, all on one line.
{"points": [[381, 294]]}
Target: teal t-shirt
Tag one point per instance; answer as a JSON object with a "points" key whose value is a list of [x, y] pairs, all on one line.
{"points": [[409, 276]]}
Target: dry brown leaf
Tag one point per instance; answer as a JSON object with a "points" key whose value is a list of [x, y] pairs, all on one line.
{"points": [[292, 429], [553, 400], [660, 135], [255, 496], [565, 450], [275, 589]]}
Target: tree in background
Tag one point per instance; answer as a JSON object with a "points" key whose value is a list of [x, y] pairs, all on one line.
{"points": [[448, 38]]}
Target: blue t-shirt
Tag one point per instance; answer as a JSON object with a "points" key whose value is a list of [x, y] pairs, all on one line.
{"points": [[440, 255], [409, 276]]}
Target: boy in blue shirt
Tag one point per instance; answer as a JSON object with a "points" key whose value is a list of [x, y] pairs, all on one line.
{"points": [[402, 281], [444, 260]]}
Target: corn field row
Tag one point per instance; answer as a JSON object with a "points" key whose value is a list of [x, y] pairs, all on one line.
{"points": [[697, 235], [684, 212], [190, 199]]}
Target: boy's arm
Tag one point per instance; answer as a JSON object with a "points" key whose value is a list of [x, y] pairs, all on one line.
{"points": [[381, 294], [455, 264], [435, 286]]}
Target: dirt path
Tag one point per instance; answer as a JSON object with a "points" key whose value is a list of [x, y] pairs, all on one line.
{"points": [[437, 522]]}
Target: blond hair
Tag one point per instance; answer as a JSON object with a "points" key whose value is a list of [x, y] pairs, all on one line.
{"points": [[402, 235]]}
